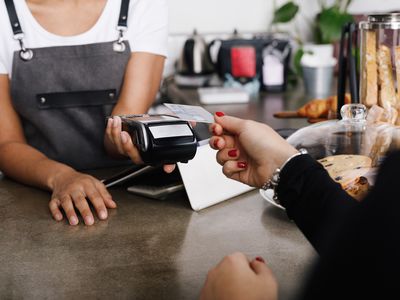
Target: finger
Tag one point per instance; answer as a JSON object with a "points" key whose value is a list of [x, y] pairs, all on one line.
{"points": [[237, 258], [130, 149], [215, 129], [55, 210], [84, 209], [260, 267], [97, 200], [109, 129], [233, 167], [169, 168], [116, 134], [231, 124], [227, 154], [217, 142], [68, 207], [108, 200]]}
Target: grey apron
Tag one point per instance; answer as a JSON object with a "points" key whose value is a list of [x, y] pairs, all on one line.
{"points": [[64, 94]]}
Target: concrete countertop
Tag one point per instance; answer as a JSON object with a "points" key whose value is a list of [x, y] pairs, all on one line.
{"points": [[147, 249]]}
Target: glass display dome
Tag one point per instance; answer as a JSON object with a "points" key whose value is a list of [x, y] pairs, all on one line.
{"points": [[352, 148]]}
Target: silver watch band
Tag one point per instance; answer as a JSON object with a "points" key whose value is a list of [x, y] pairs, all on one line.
{"points": [[272, 183]]}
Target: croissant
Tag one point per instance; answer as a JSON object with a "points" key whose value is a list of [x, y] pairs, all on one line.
{"points": [[320, 108]]}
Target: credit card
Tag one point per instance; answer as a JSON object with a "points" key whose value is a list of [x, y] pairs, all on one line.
{"points": [[190, 113]]}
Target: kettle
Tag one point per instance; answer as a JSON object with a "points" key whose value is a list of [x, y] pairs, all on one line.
{"points": [[195, 58]]}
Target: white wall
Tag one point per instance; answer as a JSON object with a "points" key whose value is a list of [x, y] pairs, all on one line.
{"points": [[216, 17]]}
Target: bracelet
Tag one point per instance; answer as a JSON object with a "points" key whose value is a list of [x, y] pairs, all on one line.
{"points": [[272, 183]]}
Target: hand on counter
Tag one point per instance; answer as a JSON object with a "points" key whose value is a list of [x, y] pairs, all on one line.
{"points": [[122, 144], [248, 151], [235, 277], [71, 192]]}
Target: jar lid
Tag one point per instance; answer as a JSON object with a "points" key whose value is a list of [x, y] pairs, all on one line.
{"points": [[381, 21]]}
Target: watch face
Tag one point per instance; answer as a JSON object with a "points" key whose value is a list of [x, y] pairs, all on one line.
{"points": [[172, 130]]}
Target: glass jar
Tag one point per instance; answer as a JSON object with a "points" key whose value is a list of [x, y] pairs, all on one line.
{"points": [[380, 61]]}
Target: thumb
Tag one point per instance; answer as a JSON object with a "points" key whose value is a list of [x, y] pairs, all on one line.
{"points": [[259, 267], [230, 124]]}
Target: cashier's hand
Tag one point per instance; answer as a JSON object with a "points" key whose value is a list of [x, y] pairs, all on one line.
{"points": [[235, 277], [248, 151], [122, 144], [71, 193]]}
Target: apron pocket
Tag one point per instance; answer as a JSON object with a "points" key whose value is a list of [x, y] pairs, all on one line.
{"points": [[76, 99]]}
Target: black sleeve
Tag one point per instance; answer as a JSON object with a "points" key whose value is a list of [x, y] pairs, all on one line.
{"points": [[362, 260], [312, 199]]}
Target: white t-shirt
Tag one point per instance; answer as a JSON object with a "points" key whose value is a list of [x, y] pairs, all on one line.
{"points": [[147, 29]]}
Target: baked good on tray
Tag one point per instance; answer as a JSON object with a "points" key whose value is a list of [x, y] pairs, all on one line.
{"points": [[350, 172]]}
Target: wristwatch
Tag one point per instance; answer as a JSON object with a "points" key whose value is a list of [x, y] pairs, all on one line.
{"points": [[272, 183]]}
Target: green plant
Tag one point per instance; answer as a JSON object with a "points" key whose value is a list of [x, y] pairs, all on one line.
{"points": [[326, 26], [330, 20]]}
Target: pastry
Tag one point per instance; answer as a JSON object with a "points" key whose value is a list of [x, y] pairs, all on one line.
{"points": [[345, 169], [370, 72], [397, 64], [387, 92], [359, 188], [375, 114], [382, 142], [320, 108]]}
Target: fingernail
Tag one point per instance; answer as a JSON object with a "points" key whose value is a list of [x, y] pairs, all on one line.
{"points": [[58, 217], [216, 143], [73, 220], [103, 214], [124, 138], [242, 165], [110, 122], [89, 220], [260, 259], [213, 131], [116, 122], [232, 153], [220, 114]]}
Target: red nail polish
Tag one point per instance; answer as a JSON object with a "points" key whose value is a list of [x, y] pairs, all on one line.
{"points": [[260, 259], [232, 153], [216, 144], [220, 114], [242, 165]]}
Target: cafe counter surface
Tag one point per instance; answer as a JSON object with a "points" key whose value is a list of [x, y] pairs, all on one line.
{"points": [[147, 249]]}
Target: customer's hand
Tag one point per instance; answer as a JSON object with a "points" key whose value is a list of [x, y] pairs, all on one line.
{"points": [[71, 192], [235, 277], [122, 143], [248, 151]]}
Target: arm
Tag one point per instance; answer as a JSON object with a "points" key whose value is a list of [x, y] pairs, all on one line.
{"points": [[250, 152], [22, 162], [141, 84], [312, 199], [362, 256]]}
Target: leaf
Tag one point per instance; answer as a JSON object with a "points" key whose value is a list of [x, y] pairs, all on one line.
{"points": [[297, 60], [285, 13], [329, 24]]}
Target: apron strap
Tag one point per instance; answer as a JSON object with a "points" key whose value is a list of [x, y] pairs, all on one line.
{"points": [[119, 45], [25, 54], [123, 15], [14, 21]]}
